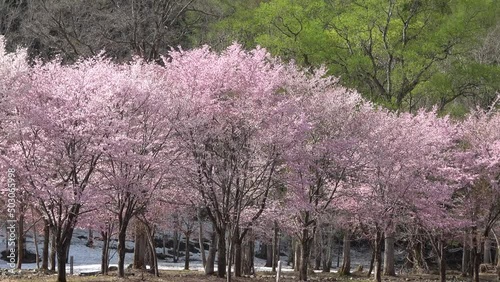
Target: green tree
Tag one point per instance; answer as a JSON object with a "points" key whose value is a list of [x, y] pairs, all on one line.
{"points": [[394, 52]]}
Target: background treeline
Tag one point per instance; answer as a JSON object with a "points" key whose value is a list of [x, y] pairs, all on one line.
{"points": [[404, 54]]}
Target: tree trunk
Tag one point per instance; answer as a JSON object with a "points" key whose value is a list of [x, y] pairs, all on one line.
{"points": [[372, 259], [104, 257], [418, 258], [35, 241], [61, 263], [140, 246], [346, 255], [122, 233], [465, 255], [275, 250], [221, 253], [90, 240], [248, 257], [442, 261], [238, 257], [200, 240], [52, 257], [487, 251], [186, 252], [291, 252], [305, 244], [62, 248], [150, 233], [389, 269], [328, 253], [176, 246], [476, 257], [378, 257], [269, 255], [210, 266], [296, 263], [318, 246], [46, 240], [20, 239]]}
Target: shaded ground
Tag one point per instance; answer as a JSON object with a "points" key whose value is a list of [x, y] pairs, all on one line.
{"points": [[194, 276]]}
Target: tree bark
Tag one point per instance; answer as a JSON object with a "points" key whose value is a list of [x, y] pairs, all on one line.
{"points": [[476, 257], [90, 239], [46, 240], [238, 257], [200, 239], [35, 241], [221, 253], [122, 233], [20, 239], [487, 251], [328, 253], [442, 261], [305, 244], [140, 246], [346, 255], [52, 257], [104, 258], [186, 253], [248, 257], [275, 250], [465, 255], [269, 255], [212, 250], [150, 233], [296, 263], [378, 257], [176, 246], [372, 259], [389, 269]]}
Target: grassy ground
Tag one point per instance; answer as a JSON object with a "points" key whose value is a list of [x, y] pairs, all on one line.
{"points": [[194, 276]]}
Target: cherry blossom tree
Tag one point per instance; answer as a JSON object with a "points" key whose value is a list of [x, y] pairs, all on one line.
{"points": [[232, 136], [60, 126], [480, 163]]}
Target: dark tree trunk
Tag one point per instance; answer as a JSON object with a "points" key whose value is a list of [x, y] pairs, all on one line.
{"points": [[20, 239], [298, 249], [346, 255], [122, 232], [238, 257], [52, 257], [176, 246], [248, 257], [465, 256], [269, 255], [442, 261], [105, 254], [150, 233], [275, 250], [210, 266], [140, 246], [90, 240], [62, 248], [200, 239], [305, 244], [221, 253], [327, 252], [476, 257], [378, 257], [186, 252], [372, 259], [389, 269], [46, 240]]}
